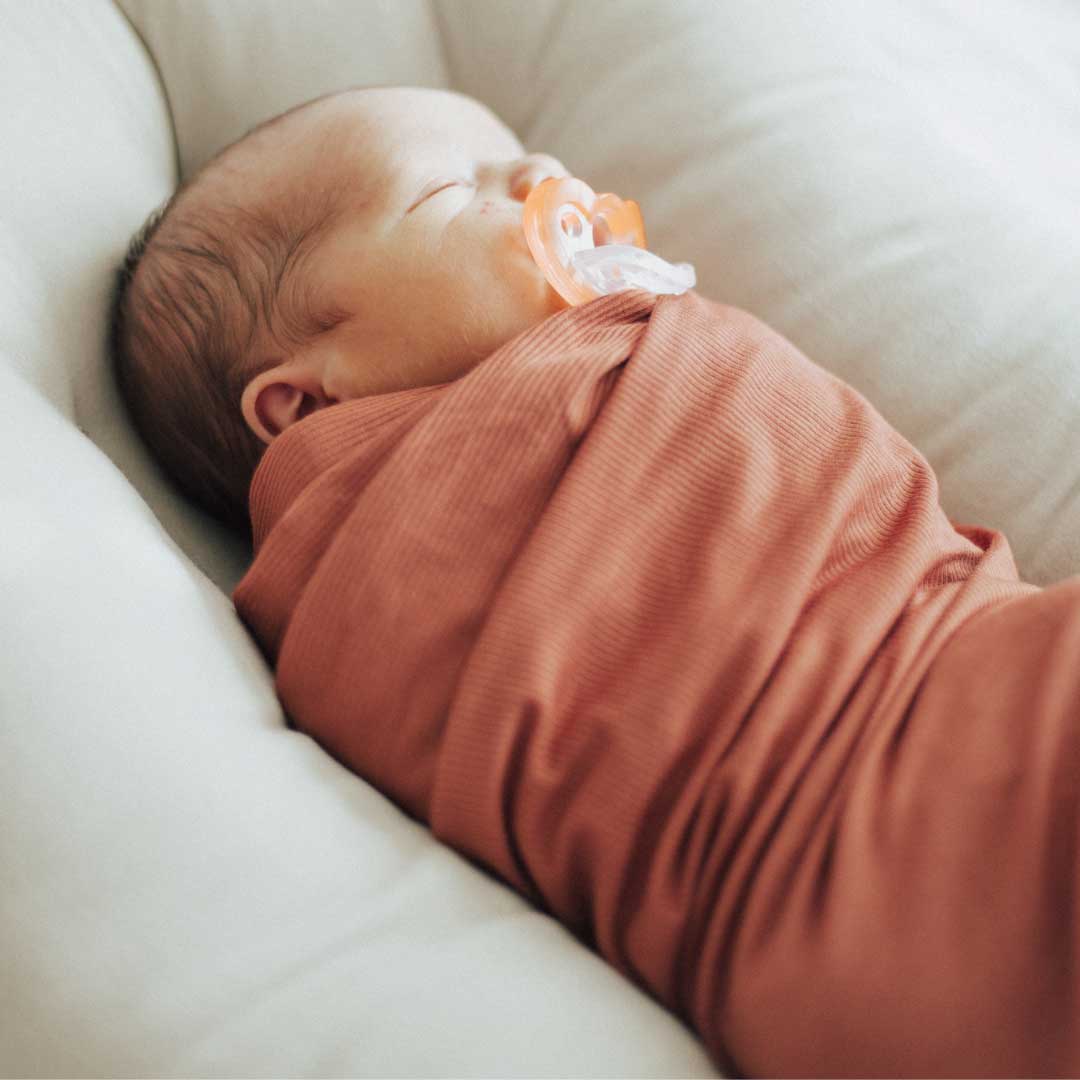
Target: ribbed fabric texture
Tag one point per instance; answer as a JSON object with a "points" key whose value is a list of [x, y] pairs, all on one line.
{"points": [[664, 625]]}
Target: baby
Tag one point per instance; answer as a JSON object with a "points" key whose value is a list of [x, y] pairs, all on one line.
{"points": [[364, 242], [631, 602]]}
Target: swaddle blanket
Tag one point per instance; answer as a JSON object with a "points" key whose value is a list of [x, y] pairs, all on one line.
{"points": [[663, 624]]}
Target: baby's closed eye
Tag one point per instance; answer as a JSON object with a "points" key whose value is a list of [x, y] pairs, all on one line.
{"points": [[434, 187]]}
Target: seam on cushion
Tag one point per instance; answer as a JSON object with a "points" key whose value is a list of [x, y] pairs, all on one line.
{"points": [[149, 53], [556, 20], [435, 9]]}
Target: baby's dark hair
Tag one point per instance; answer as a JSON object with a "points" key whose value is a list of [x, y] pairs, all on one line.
{"points": [[198, 287]]}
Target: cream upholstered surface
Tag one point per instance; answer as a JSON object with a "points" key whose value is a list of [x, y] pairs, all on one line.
{"points": [[190, 887]]}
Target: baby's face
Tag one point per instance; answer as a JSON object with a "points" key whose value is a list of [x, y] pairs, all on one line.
{"points": [[428, 263]]}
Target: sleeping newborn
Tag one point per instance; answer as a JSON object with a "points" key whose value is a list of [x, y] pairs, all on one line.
{"points": [[364, 242], [632, 603]]}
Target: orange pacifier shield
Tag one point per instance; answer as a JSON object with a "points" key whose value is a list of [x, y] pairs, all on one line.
{"points": [[565, 216]]}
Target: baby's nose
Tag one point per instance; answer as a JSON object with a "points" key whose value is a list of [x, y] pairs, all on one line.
{"points": [[530, 171]]}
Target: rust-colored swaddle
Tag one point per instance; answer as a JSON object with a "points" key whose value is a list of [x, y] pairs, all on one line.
{"points": [[663, 624]]}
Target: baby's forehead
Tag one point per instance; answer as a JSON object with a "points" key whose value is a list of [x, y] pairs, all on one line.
{"points": [[297, 158], [376, 130], [346, 151]]}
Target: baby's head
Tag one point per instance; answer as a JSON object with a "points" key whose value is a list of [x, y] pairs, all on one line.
{"points": [[365, 242]]}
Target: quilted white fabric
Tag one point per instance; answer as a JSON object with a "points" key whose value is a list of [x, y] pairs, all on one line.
{"points": [[189, 888]]}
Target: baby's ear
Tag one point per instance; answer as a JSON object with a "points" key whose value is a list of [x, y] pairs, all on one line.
{"points": [[277, 398]]}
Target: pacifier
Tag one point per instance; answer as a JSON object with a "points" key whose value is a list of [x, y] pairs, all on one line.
{"points": [[591, 245]]}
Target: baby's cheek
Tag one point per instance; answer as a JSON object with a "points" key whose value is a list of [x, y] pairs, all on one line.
{"points": [[509, 285]]}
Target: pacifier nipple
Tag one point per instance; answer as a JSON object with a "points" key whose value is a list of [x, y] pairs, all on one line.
{"points": [[590, 245]]}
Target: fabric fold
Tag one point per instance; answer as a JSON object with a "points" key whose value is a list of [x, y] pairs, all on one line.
{"points": [[663, 624]]}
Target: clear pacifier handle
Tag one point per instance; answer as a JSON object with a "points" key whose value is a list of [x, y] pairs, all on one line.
{"points": [[590, 245], [615, 267]]}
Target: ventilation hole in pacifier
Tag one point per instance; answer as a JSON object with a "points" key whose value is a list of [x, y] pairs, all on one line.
{"points": [[570, 223]]}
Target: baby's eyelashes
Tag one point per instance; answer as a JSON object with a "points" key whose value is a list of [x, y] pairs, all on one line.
{"points": [[520, 178], [433, 187]]}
